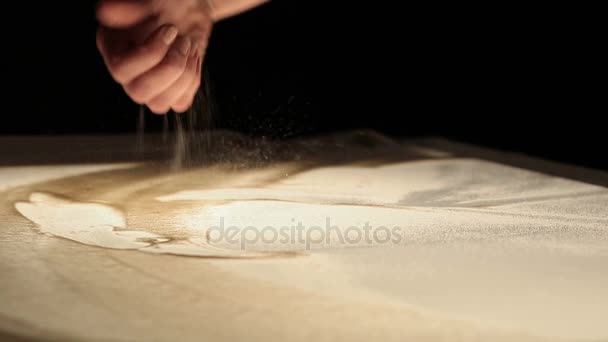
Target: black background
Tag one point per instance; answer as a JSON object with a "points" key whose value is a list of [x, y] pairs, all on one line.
{"points": [[529, 80]]}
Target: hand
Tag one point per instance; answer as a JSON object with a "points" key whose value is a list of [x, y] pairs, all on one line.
{"points": [[155, 48]]}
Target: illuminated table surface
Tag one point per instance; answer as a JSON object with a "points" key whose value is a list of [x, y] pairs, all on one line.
{"points": [[351, 237]]}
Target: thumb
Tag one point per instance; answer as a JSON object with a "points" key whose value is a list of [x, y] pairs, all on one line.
{"points": [[123, 13]]}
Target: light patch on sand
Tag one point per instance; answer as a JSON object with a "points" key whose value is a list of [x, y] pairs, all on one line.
{"points": [[346, 184], [435, 183], [93, 224], [102, 225]]}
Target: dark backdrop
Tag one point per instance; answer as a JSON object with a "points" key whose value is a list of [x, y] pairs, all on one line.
{"points": [[529, 80]]}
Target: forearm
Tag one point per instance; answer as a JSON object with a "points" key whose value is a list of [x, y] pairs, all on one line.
{"points": [[226, 8]]}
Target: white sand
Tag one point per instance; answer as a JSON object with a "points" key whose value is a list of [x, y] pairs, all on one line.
{"points": [[496, 245], [14, 176], [482, 250]]}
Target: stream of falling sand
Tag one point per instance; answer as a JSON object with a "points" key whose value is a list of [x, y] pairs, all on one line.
{"points": [[191, 140]]}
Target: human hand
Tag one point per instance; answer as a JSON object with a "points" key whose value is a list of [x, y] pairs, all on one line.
{"points": [[155, 48]]}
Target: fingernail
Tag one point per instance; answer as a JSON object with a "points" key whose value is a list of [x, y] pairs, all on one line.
{"points": [[169, 34], [184, 46]]}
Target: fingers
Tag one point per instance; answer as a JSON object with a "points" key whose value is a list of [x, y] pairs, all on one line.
{"points": [[110, 44], [161, 104], [158, 74], [123, 13], [158, 79], [224, 9], [124, 69], [185, 101]]}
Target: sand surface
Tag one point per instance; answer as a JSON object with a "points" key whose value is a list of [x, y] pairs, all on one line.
{"points": [[348, 241]]}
